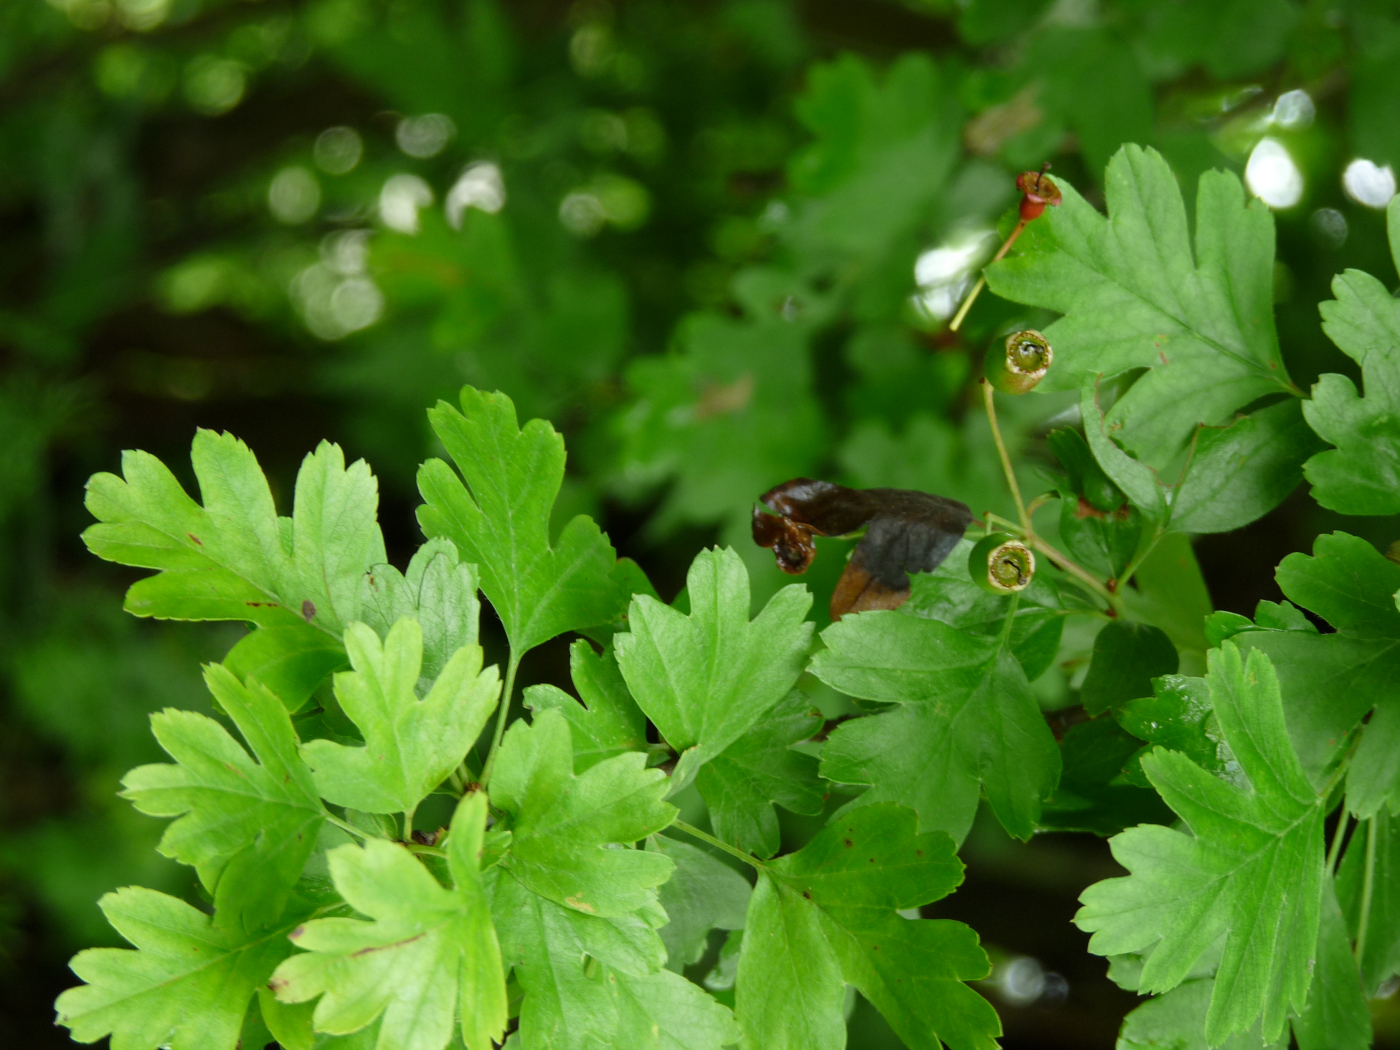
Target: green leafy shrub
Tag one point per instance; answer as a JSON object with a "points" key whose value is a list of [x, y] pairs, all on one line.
{"points": [[563, 895]]}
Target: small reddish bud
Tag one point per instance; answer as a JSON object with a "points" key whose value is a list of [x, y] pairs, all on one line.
{"points": [[1038, 190]]}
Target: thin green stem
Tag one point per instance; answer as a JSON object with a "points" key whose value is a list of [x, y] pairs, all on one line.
{"points": [[408, 823], [1141, 557], [971, 298], [987, 399], [346, 826], [1367, 886], [1010, 619], [705, 836], [425, 851], [1337, 836], [501, 715]]}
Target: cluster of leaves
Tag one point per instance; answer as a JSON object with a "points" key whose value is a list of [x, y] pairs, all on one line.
{"points": [[557, 903], [793, 226]]}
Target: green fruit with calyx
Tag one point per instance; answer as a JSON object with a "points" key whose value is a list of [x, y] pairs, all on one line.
{"points": [[1027, 358], [1001, 564]]}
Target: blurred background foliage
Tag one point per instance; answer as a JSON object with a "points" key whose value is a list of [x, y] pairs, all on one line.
{"points": [[715, 241]]}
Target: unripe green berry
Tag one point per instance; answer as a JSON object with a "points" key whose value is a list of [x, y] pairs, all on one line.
{"points": [[1027, 358], [1001, 564]]}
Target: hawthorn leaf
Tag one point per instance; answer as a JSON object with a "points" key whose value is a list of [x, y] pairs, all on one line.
{"points": [[1178, 716], [233, 558], [425, 953], [966, 722], [1336, 1017], [608, 721], [1380, 958], [1362, 474], [411, 745], [187, 984], [290, 660], [438, 590], [950, 595], [828, 915], [499, 519], [1171, 594], [1251, 873], [247, 824], [761, 768], [1094, 794], [623, 1000], [563, 827], [1127, 656], [706, 678], [1330, 681], [702, 894], [1178, 1020], [1138, 481], [664, 1011], [1136, 295], [1241, 471]]}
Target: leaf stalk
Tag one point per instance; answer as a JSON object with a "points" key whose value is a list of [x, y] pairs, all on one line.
{"points": [[506, 693], [705, 836]]}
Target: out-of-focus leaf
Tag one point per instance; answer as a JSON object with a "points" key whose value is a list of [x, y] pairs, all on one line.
{"points": [[702, 894]]}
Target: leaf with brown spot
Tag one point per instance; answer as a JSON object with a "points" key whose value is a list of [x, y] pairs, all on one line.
{"points": [[906, 532]]}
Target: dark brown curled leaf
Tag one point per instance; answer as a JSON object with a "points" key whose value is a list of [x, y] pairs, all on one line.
{"points": [[906, 531]]}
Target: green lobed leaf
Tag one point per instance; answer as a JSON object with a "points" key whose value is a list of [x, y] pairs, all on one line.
{"points": [[438, 590], [607, 721], [1239, 472], [499, 519], [1336, 1016], [247, 824], [234, 559], [1362, 474], [592, 982], [1136, 295], [411, 745], [948, 594], [1330, 681], [1094, 793], [1127, 656], [187, 984], [1380, 958], [1178, 1020], [761, 769], [706, 678], [828, 915], [1178, 716], [966, 722], [563, 826], [425, 954], [702, 894], [1251, 873]]}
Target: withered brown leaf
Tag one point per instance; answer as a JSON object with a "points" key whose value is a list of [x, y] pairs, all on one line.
{"points": [[906, 531]]}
